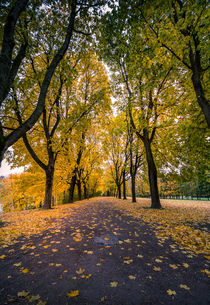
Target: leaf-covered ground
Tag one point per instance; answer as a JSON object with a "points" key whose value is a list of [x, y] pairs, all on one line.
{"points": [[106, 251]]}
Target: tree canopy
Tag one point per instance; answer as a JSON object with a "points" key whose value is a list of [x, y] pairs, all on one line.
{"points": [[104, 97]]}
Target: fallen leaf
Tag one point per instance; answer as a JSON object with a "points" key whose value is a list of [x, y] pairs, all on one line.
{"points": [[25, 270], [171, 292], [132, 277], [73, 293], [3, 256], [156, 268], [113, 284], [173, 266], [184, 287], [140, 256], [185, 265], [80, 271], [22, 294]]}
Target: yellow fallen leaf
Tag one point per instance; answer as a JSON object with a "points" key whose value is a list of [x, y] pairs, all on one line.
{"points": [[132, 277], [3, 256], [207, 257], [54, 250], [58, 265], [47, 246], [22, 294], [156, 268], [77, 239], [25, 270], [73, 293], [80, 271], [171, 292], [173, 266], [17, 264], [140, 256], [158, 260], [128, 261], [184, 287], [185, 265], [106, 238], [113, 284]]}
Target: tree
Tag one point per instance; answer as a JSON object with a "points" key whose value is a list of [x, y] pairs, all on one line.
{"points": [[135, 159], [116, 148], [179, 27], [45, 21]]}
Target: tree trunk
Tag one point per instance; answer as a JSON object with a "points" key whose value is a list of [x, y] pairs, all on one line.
{"points": [[119, 191], [152, 173], [203, 102], [79, 190], [124, 186], [48, 188], [133, 187], [71, 189], [85, 191]]}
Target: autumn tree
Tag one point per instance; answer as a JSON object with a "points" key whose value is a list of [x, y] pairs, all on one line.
{"points": [[116, 148], [27, 29], [148, 80], [179, 29]]}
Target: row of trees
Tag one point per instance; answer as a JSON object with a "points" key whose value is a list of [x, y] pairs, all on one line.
{"points": [[55, 94]]}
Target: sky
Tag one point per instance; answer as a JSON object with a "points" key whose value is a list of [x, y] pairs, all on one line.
{"points": [[5, 169]]}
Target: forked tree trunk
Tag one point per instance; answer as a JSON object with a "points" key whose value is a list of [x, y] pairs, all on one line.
{"points": [[152, 173], [48, 188], [71, 189]]}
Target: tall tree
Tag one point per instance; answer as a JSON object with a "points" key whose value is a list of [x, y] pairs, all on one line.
{"points": [[38, 25], [180, 29]]}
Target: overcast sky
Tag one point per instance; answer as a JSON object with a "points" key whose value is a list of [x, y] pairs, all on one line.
{"points": [[5, 169]]}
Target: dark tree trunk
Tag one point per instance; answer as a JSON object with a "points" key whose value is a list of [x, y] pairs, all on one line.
{"points": [[152, 173], [119, 191], [203, 102], [79, 190], [71, 189], [124, 186], [133, 187], [85, 191], [48, 188]]}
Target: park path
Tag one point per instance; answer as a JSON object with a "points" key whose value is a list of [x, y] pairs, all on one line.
{"points": [[99, 256]]}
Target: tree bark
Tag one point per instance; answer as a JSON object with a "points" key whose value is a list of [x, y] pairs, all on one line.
{"points": [[119, 191], [133, 187], [152, 173], [48, 188], [85, 191], [71, 189], [79, 190], [124, 186], [202, 101]]}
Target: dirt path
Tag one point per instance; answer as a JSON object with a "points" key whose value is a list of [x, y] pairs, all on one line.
{"points": [[101, 257]]}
